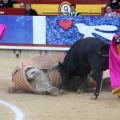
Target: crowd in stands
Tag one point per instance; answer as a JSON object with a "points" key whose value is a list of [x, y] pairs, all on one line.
{"points": [[27, 6], [6, 4], [109, 13], [29, 10], [73, 11], [111, 7], [113, 4], [22, 5]]}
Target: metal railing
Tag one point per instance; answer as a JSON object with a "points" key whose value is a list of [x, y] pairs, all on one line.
{"points": [[64, 13]]}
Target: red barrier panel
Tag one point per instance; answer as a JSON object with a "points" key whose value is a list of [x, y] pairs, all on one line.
{"points": [[12, 11], [60, 1]]}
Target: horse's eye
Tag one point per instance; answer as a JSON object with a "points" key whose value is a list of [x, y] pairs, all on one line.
{"points": [[33, 72]]}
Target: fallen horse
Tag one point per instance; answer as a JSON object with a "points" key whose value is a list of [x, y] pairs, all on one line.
{"points": [[38, 75]]}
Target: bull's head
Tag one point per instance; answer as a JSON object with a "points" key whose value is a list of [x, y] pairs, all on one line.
{"points": [[104, 50], [104, 55], [65, 75], [62, 70]]}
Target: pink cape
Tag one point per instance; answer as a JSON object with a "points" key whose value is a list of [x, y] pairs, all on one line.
{"points": [[2, 30], [114, 68]]}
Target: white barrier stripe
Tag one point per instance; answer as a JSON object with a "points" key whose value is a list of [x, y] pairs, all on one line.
{"points": [[19, 114], [39, 30], [34, 48]]}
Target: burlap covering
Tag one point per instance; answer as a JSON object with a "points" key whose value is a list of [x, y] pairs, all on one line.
{"points": [[46, 62]]}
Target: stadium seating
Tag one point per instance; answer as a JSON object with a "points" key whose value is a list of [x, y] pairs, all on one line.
{"points": [[51, 7]]}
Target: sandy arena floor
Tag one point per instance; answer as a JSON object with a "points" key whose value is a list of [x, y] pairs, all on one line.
{"points": [[71, 106]]}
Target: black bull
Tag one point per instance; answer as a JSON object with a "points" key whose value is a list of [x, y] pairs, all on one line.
{"points": [[85, 55]]}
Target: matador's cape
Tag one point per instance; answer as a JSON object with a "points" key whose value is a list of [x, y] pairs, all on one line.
{"points": [[114, 66]]}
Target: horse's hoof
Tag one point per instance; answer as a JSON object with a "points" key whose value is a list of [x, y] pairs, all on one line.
{"points": [[10, 90], [54, 91], [79, 91], [62, 91]]}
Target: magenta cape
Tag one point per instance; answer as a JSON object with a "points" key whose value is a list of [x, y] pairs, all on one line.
{"points": [[2, 30], [114, 68]]}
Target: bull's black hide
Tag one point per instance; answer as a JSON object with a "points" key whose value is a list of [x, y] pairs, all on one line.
{"points": [[85, 55]]}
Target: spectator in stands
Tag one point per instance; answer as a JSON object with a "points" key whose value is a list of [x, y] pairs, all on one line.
{"points": [[73, 11], [22, 5], [6, 4], [118, 14], [119, 3], [29, 10], [109, 12], [114, 4]]}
